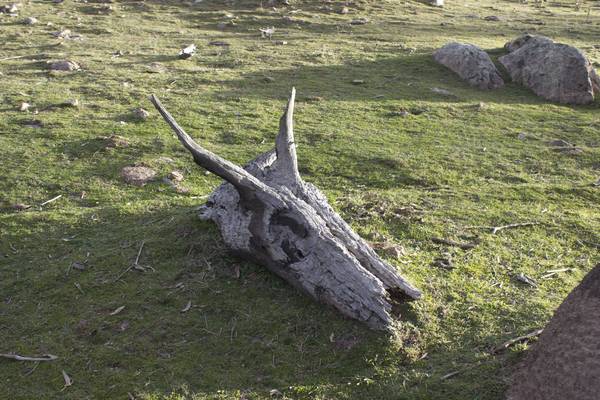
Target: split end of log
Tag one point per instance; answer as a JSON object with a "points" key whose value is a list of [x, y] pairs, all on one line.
{"points": [[267, 214]]}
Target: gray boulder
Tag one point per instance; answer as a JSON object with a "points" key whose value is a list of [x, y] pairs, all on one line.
{"points": [[554, 71], [471, 63]]}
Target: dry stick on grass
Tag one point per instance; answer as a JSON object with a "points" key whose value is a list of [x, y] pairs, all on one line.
{"points": [[14, 58], [51, 200], [519, 339], [496, 229], [16, 357], [553, 272], [137, 259], [449, 375], [464, 246]]}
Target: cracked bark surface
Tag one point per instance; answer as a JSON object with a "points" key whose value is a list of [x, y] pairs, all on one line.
{"points": [[267, 214]]}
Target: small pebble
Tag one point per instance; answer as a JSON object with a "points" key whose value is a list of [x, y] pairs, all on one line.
{"points": [[30, 21], [176, 176], [140, 113], [359, 21]]}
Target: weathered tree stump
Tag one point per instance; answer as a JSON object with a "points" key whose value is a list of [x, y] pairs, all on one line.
{"points": [[267, 214]]}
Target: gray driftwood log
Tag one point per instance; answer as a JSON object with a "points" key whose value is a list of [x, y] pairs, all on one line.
{"points": [[267, 214]]}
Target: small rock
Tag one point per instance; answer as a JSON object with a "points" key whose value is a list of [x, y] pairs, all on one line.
{"points": [[344, 10], [123, 326], [64, 65], [187, 52], [138, 175], [280, 42], [9, 8], [221, 25], [313, 99], [79, 266], [401, 113], [141, 114], [64, 34], [492, 18], [175, 176], [444, 262], [571, 150], [114, 141], [437, 3], [267, 32], [346, 342], [35, 124], [359, 21], [30, 21], [57, 1], [394, 250], [70, 103], [166, 160], [155, 68], [20, 207], [559, 143], [269, 79], [522, 136], [443, 92], [24, 106], [275, 393], [218, 43], [358, 82], [175, 185]]}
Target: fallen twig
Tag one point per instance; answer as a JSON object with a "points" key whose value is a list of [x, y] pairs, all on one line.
{"points": [[187, 307], [135, 264], [16, 357], [13, 58], [464, 246], [596, 245], [37, 363], [519, 339], [449, 375], [51, 200], [553, 272], [68, 380], [526, 279], [117, 310], [496, 229]]}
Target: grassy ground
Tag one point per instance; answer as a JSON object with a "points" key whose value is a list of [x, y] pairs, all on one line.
{"points": [[451, 165]]}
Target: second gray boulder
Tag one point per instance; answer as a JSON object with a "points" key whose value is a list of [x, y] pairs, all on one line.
{"points": [[554, 71], [471, 63]]}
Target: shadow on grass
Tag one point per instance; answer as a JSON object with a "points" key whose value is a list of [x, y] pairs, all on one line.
{"points": [[196, 317]]}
